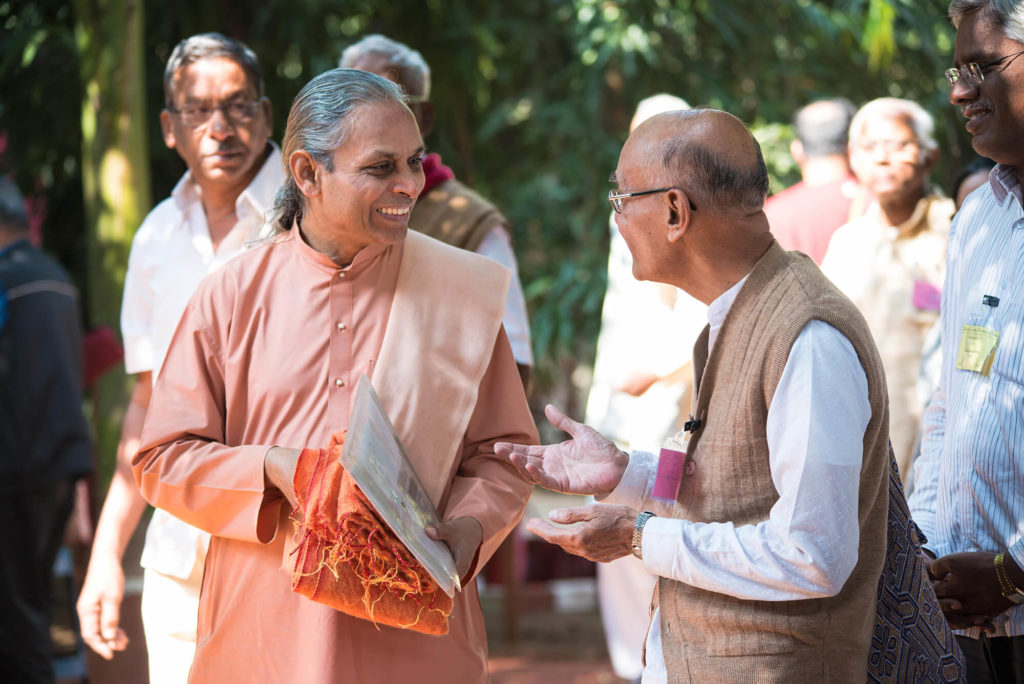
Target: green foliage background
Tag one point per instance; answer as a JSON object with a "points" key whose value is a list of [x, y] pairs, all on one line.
{"points": [[533, 100]]}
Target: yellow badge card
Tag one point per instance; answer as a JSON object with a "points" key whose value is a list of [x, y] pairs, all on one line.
{"points": [[977, 348]]}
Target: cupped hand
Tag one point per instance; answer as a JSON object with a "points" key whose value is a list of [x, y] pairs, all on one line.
{"points": [[598, 532], [588, 463], [99, 607]]}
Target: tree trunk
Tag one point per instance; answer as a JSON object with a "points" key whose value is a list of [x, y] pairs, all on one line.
{"points": [[115, 176]]}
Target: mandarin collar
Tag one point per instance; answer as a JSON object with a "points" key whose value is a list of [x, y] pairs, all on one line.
{"points": [[367, 256]]}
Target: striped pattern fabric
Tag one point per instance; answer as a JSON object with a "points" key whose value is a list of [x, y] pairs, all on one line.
{"points": [[969, 478]]}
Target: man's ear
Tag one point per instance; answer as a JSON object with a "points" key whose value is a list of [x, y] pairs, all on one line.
{"points": [[679, 213], [306, 172], [167, 128], [796, 150]]}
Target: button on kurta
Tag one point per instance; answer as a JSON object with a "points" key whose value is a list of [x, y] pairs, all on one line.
{"points": [[341, 274], [339, 382], [341, 326]]}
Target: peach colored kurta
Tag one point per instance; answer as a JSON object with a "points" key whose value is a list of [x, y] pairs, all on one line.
{"points": [[268, 353]]}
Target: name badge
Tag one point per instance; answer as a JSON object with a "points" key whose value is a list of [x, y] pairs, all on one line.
{"points": [[670, 473], [977, 349]]}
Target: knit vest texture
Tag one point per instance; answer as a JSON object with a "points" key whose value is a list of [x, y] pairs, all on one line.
{"points": [[456, 215], [713, 637]]}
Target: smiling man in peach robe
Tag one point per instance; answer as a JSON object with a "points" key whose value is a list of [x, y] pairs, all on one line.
{"points": [[265, 362]]}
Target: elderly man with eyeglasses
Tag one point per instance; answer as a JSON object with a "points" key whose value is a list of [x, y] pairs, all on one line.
{"points": [[219, 122], [775, 520], [969, 479], [891, 261]]}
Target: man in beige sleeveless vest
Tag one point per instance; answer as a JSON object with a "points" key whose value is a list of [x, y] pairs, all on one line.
{"points": [[771, 533]]}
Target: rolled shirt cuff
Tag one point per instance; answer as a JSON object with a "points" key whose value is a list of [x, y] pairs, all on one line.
{"points": [[635, 483]]}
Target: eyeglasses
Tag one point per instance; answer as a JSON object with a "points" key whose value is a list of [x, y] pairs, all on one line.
{"points": [[237, 112], [974, 73], [616, 197], [892, 148]]}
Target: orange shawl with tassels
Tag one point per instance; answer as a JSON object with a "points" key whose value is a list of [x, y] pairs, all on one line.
{"points": [[345, 557]]}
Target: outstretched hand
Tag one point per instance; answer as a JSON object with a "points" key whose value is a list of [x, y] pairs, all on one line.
{"points": [[598, 532], [589, 463]]}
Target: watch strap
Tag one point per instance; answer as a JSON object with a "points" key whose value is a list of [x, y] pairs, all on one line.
{"points": [[637, 546]]}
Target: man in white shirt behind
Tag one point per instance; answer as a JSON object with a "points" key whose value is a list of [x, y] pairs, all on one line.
{"points": [[769, 534], [219, 122]]}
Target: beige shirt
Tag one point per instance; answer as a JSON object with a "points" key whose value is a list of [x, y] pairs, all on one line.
{"points": [[878, 267], [268, 353]]}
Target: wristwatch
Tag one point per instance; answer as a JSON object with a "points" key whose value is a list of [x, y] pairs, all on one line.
{"points": [[637, 546], [1010, 591]]}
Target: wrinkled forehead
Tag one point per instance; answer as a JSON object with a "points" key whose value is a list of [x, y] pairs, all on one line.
{"points": [[886, 126], [380, 128], [980, 39], [212, 74]]}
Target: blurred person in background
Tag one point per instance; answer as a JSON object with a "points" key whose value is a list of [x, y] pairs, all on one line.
{"points": [[804, 216], [218, 121], [44, 438], [891, 261], [641, 391], [449, 210], [971, 177]]}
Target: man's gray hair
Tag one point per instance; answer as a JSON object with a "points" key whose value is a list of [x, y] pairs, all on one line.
{"points": [[1008, 15], [823, 125], [12, 206], [410, 68], [919, 120], [318, 123], [712, 181], [210, 46]]}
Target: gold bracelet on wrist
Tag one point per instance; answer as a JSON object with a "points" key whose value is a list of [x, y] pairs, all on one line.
{"points": [[1006, 585]]}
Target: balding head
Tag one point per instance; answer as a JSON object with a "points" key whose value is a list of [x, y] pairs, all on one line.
{"points": [[821, 127], [707, 152], [696, 183]]}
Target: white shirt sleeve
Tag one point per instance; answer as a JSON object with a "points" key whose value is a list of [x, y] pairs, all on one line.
{"points": [[922, 499], [808, 546], [497, 246], [137, 307]]}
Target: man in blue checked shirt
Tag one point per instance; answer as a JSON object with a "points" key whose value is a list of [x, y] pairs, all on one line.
{"points": [[969, 495]]}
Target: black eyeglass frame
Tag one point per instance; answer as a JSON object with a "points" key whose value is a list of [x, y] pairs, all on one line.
{"points": [[973, 72], [251, 109], [615, 198]]}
